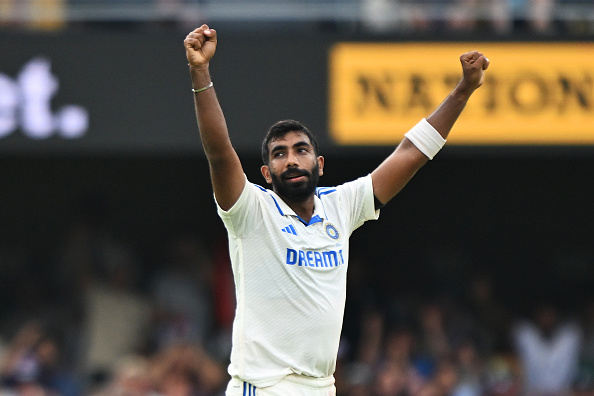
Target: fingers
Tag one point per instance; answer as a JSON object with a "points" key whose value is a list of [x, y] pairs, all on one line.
{"points": [[199, 36], [475, 58], [200, 45], [192, 42], [474, 63]]}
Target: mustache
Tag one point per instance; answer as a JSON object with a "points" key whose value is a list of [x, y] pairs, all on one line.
{"points": [[294, 173]]}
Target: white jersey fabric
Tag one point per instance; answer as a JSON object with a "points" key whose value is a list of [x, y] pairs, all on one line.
{"points": [[290, 279]]}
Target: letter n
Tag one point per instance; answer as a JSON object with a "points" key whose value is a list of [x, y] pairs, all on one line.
{"points": [[375, 91]]}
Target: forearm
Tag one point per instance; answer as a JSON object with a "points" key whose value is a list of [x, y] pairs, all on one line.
{"points": [[209, 115], [426, 138], [421, 144], [445, 115]]}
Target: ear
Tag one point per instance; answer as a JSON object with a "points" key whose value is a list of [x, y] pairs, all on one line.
{"points": [[321, 164], [266, 173]]}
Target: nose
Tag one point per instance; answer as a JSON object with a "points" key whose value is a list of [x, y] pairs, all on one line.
{"points": [[292, 160]]}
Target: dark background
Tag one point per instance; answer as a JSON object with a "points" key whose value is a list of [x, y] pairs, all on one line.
{"points": [[526, 220], [522, 214]]}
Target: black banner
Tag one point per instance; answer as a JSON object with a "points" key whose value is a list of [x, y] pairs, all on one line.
{"points": [[119, 92]]}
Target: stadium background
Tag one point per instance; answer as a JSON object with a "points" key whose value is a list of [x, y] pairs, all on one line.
{"points": [[520, 215]]}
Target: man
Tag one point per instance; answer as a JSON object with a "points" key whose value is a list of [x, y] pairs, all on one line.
{"points": [[289, 246]]}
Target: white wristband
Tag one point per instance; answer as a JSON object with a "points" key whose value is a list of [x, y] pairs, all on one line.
{"points": [[426, 138]]}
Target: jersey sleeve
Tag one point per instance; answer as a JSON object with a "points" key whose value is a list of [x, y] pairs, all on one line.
{"points": [[358, 201], [244, 216]]}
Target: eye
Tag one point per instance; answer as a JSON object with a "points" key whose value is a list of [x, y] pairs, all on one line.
{"points": [[278, 154]]}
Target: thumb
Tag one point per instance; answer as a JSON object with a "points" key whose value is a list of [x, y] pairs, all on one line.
{"points": [[486, 63], [211, 35]]}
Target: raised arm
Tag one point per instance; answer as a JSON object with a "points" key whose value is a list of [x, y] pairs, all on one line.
{"points": [[396, 170], [226, 172]]}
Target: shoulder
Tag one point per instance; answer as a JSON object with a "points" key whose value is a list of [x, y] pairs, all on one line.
{"points": [[251, 197], [324, 191], [258, 187], [356, 186]]}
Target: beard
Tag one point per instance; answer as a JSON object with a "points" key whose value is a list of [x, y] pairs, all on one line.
{"points": [[300, 191]]}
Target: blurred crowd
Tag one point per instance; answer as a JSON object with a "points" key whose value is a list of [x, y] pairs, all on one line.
{"points": [[386, 17], [102, 318], [99, 317]]}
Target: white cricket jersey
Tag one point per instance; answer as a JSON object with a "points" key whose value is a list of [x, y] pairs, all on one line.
{"points": [[290, 279]]}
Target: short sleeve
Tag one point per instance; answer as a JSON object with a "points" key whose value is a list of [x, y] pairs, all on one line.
{"points": [[245, 215], [357, 198]]}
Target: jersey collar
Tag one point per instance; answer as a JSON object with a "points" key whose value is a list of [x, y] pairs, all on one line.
{"points": [[285, 210]]}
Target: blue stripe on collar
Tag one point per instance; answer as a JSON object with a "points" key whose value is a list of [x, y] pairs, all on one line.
{"points": [[315, 219], [271, 196], [277, 205], [324, 190]]}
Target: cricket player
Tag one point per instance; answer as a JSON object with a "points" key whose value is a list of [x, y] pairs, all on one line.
{"points": [[289, 245]]}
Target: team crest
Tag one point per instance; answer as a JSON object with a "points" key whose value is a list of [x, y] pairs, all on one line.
{"points": [[332, 231]]}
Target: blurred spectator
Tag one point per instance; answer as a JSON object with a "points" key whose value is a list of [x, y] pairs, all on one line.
{"points": [[223, 286], [535, 15], [540, 15], [501, 17], [88, 247], [182, 294], [98, 278], [446, 377], [9, 10], [492, 319], [380, 16], [47, 14], [548, 349], [434, 343], [578, 16], [187, 370], [130, 377], [391, 380], [356, 375], [33, 364], [371, 339], [477, 15], [469, 368], [464, 15], [178, 14], [117, 317], [33, 14], [501, 376], [585, 379], [416, 15], [223, 293], [400, 346]]}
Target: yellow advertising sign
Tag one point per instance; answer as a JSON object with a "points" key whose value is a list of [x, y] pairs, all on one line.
{"points": [[534, 93]]}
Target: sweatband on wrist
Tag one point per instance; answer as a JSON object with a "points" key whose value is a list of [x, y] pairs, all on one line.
{"points": [[426, 138]]}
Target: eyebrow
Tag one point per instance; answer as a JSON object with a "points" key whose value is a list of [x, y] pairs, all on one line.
{"points": [[301, 144]]}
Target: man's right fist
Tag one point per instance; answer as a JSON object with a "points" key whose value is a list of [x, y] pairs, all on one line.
{"points": [[200, 46]]}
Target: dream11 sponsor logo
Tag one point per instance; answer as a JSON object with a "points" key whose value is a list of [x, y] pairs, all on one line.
{"points": [[25, 104]]}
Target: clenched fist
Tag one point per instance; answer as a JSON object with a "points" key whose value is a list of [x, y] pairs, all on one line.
{"points": [[474, 64], [200, 45]]}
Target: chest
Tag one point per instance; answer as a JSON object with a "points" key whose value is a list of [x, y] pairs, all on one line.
{"points": [[318, 235]]}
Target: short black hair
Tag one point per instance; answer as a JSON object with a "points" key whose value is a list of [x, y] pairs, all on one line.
{"points": [[280, 129]]}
